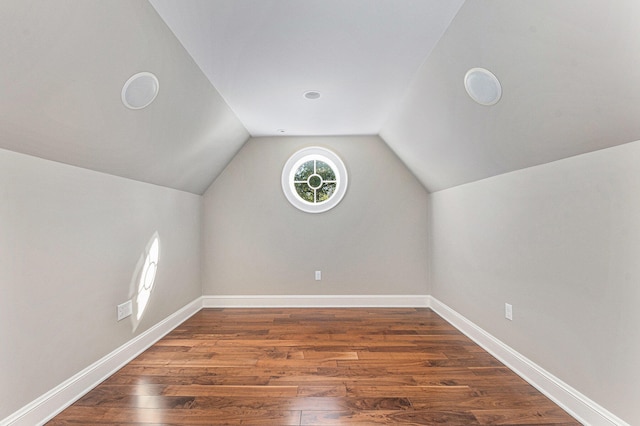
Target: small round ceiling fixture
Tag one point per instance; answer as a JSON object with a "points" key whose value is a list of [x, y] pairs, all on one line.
{"points": [[312, 94], [483, 86], [140, 90]]}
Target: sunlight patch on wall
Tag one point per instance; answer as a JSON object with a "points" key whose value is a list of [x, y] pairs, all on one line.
{"points": [[144, 279]]}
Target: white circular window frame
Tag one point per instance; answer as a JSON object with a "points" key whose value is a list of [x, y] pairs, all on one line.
{"points": [[301, 157]]}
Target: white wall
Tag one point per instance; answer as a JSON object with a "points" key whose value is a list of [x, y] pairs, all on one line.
{"points": [[70, 240], [373, 243], [561, 243]]}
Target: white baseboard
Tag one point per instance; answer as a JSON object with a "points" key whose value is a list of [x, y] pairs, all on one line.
{"points": [[335, 301], [53, 402], [57, 399], [573, 402]]}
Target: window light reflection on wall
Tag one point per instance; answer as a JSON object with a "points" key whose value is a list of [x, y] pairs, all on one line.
{"points": [[147, 277]]}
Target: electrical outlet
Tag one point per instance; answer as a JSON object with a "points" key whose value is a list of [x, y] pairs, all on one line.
{"points": [[124, 310], [318, 275], [508, 311]]}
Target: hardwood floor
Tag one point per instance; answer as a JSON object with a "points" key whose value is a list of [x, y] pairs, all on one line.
{"points": [[314, 367]]}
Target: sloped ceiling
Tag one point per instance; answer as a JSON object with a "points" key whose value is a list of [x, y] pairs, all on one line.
{"points": [[64, 63], [568, 70]]}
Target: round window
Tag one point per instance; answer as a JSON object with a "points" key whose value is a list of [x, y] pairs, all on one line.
{"points": [[314, 179]]}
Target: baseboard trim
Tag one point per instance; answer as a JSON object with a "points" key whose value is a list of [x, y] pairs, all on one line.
{"points": [[317, 301], [573, 402], [57, 399], [53, 402]]}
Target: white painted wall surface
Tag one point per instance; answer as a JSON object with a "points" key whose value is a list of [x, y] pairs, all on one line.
{"points": [[70, 240], [373, 243], [561, 243]]}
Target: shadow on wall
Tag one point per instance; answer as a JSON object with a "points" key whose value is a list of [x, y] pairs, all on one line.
{"points": [[143, 279]]}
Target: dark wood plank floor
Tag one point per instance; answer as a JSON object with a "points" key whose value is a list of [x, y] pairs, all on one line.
{"points": [[314, 367]]}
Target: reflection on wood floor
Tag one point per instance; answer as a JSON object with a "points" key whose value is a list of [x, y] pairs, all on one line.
{"points": [[314, 367]]}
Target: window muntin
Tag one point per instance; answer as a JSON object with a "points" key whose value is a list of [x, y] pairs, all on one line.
{"points": [[314, 179]]}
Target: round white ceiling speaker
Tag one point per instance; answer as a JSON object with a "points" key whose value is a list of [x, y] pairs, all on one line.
{"points": [[482, 86], [140, 90]]}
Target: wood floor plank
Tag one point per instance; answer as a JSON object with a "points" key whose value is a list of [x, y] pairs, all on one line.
{"points": [[394, 417], [229, 390], [314, 367], [89, 415], [525, 416]]}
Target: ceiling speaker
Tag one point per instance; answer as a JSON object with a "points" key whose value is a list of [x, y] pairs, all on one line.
{"points": [[482, 86], [140, 90]]}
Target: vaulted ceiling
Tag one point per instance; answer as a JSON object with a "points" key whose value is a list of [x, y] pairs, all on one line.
{"points": [[263, 55], [64, 63], [231, 69]]}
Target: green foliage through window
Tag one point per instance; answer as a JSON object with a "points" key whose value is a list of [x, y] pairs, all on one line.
{"points": [[315, 181]]}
